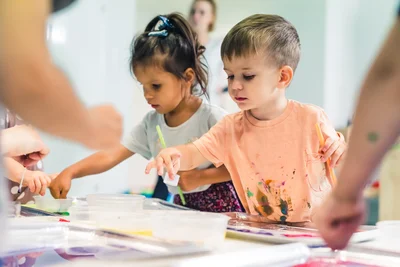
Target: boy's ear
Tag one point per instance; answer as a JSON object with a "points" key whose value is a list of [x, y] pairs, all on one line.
{"points": [[286, 77]]}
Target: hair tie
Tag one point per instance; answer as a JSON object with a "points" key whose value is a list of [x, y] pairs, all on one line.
{"points": [[162, 27]]}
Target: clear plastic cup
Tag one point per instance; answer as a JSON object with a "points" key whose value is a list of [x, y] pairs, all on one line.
{"points": [[116, 202], [51, 204]]}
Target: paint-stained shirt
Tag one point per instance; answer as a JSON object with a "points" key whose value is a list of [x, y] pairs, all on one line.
{"points": [[275, 165]]}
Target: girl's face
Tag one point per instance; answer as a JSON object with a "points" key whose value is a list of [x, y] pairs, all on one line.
{"points": [[162, 90], [201, 16]]}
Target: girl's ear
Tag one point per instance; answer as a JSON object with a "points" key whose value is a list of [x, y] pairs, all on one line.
{"points": [[189, 76]]}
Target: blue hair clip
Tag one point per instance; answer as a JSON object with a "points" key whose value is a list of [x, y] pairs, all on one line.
{"points": [[162, 27]]}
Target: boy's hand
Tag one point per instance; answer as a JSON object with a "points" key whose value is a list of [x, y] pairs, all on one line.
{"points": [[168, 158], [61, 184], [333, 149]]}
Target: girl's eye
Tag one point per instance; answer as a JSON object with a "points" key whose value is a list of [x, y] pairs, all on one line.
{"points": [[230, 77], [248, 77], [156, 86]]}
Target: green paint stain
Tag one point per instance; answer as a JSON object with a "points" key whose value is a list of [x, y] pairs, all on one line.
{"points": [[264, 199], [268, 209], [260, 183], [249, 193], [373, 137], [284, 207]]}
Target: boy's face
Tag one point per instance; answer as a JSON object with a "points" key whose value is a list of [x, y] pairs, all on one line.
{"points": [[252, 82]]}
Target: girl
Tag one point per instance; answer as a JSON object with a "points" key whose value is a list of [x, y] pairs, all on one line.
{"points": [[166, 60]]}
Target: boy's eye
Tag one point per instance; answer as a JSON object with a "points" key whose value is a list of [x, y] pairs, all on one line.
{"points": [[156, 86], [248, 77], [230, 77]]}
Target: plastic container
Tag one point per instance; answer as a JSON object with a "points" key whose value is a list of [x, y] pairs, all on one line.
{"points": [[136, 223], [207, 229], [389, 230], [116, 202], [52, 205]]}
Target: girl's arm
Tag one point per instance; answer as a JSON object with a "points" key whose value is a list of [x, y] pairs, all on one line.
{"points": [[190, 180], [97, 163]]}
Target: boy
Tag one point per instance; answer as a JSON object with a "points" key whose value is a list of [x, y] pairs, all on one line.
{"points": [[271, 147]]}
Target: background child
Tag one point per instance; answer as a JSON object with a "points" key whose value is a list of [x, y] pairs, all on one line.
{"points": [[166, 61], [35, 180], [271, 148]]}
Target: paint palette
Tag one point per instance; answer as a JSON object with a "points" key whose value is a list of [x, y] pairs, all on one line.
{"points": [[324, 257], [280, 234]]}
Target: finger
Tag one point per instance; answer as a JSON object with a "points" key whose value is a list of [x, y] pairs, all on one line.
{"points": [[38, 185], [328, 143], [64, 193], [44, 150], [330, 151], [160, 165], [48, 180], [44, 185], [177, 163], [336, 156], [55, 191], [32, 186], [28, 162], [34, 156], [150, 166], [170, 167]]}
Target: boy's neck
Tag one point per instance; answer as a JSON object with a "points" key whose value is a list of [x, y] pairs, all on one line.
{"points": [[270, 111], [186, 108]]}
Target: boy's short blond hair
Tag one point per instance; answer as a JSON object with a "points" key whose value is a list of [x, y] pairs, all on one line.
{"points": [[268, 35]]}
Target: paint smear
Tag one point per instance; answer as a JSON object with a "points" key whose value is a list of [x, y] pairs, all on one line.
{"points": [[299, 235], [284, 207], [328, 262], [249, 193]]}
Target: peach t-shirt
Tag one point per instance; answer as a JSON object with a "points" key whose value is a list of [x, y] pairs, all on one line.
{"points": [[274, 165]]}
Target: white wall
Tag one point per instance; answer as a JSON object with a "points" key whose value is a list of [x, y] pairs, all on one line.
{"points": [[91, 43], [354, 32]]}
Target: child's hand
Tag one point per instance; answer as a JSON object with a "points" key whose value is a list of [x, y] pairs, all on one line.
{"points": [[189, 180], [333, 149], [37, 182], [168, 158], [61, 184]]}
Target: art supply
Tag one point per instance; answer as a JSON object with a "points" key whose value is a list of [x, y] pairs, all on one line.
{"points": [[164, 145], [22, 180], [281, 234], [328, 162]]}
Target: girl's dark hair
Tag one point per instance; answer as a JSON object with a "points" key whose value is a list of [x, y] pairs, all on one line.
{"points": [[174, 53]]}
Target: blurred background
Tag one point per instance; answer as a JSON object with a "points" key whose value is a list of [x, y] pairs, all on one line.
{"points": [[90, 42]]}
